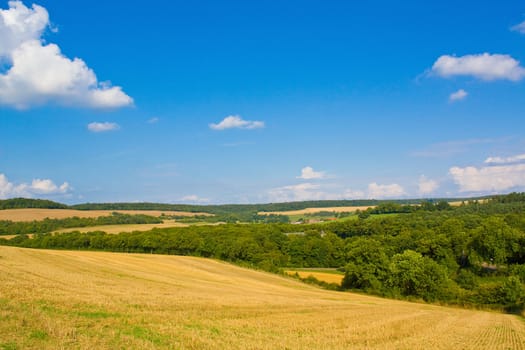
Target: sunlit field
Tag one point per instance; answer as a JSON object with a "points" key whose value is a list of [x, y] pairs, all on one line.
{"points": [[40, 214], [94, 300], [316, 210]]}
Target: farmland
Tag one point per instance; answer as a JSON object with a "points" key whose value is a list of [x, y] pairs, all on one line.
{"points": [[65, 299], [306, 211], [31, 214], [324, 275]]}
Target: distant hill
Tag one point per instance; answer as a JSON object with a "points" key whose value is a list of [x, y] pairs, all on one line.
{"points": [[19, 203]]}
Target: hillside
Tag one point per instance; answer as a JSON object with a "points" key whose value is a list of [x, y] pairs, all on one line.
{"points": [[71, 299]]}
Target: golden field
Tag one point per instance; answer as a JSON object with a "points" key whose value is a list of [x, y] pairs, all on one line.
{"points": [[95, 300], [316, 210], [319, 275], [41, 214]]}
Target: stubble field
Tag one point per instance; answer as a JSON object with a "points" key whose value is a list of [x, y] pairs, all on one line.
{"points": [[95, 300]]}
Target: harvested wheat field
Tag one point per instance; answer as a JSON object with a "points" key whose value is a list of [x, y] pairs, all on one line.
{"points": [[94, 300], [319, 275], [316, 210], [41, 214]]}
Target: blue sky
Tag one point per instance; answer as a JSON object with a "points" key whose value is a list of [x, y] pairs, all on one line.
{"points": [[261, 101]]}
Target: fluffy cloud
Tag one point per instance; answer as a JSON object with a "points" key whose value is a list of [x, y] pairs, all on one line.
{"points": [[300, 192], [102, 127], [195, 199], [505, 160], [37, 187], [426, 186], [520, 28], [483, 66], [236, 122], [38, 73], [308, 173], [458, 95], [376, 191], [490, 178], [309, 191], [19, 24]]}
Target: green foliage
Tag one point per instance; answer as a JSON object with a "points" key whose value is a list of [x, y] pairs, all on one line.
{"points": [[367, 265], [466, 279], [411, 274]]}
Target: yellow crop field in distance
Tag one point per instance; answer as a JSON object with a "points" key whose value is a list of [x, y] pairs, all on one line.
{"points": [[316, 210], [40, 214], [95, 300], [319, 275]]}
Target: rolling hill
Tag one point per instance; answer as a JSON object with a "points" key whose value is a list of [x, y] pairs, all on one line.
{"points": [[75, 299]]}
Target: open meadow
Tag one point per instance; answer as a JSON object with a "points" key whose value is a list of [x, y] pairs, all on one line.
{"points": [[94, 300]]}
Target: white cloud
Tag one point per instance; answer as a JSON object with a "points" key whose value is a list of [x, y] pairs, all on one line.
{"points": [[505, 160], [490, 178], [153, 120], [426, 186], [458, 95], [38, 73], [46, 186], [520, 28], [376, 191], [236, 122], [102, 127], [352, 194], [309, 191], [482, 66], [195, 199], [19, 24], [308, 173], [300, 192], [37, 187]]}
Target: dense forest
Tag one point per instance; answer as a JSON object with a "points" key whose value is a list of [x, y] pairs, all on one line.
{"points": [[471, 254]]}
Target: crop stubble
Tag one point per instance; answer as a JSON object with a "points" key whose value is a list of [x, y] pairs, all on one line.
{"points": [[75, 299]]}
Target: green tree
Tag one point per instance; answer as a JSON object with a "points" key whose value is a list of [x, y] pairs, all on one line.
{"points": [[367, 265], [412, 274]]}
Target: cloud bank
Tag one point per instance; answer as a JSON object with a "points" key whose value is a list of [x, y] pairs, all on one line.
{"points": [[236, 122], [482, 66], [376, 191], [505, 160], [36, 187], [39, 73]]}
